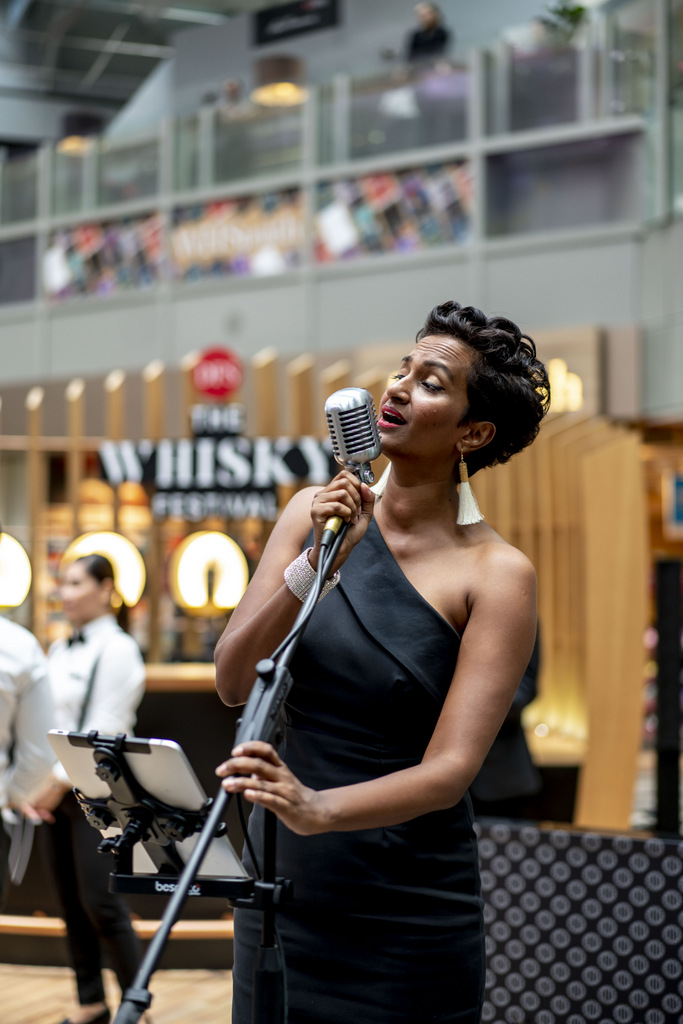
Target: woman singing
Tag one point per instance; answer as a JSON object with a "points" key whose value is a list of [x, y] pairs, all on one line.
{"points": [[404, 675]]}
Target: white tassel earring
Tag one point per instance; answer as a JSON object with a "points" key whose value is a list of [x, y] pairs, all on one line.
{"points": [[380, 487], [468, 510]]}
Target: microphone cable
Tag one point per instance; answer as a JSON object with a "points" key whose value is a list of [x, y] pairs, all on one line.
{"points": [[327, 559], [247, 838]]}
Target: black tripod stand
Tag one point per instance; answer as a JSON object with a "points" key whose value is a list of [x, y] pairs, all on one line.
{"points": [[261, 720]]}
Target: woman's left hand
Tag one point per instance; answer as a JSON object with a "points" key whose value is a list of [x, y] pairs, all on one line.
{"points": [[256, 770]]}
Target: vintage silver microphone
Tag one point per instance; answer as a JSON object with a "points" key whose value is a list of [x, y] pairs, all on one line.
{"points": [[352, 423]]}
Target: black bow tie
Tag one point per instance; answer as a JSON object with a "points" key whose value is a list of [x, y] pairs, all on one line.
{"points": [[75, 638]]}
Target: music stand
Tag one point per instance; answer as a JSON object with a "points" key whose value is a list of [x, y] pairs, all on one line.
{"points": [[144, 795]]}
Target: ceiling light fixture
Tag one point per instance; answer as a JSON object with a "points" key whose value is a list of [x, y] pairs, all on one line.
{"points": [[279, 82]]}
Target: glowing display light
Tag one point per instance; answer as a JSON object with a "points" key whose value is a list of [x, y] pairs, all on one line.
{"points": [[15, 572], [126, 560], [566, 388], [208, 573]]}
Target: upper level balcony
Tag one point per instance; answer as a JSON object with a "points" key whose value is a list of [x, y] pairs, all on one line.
{"points": [[525, 84]]}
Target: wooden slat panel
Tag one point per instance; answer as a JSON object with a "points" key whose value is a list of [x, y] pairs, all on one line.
{"points": [[153, 378], [188, 392], [504, 484], [332, 379], [114, 392], [483, 487], [543, 710], [568, 447], [616, 568], [301, 414], [154, 412], [266, 405], [114, 386], [336, 376], [75, 395], [302, 417], [526, 503], [37, 494], [553, 569]]}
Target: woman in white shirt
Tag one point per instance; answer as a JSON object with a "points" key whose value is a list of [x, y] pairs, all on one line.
{"points": [[97, 678]]}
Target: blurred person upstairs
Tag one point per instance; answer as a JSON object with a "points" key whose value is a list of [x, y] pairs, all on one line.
{"points": [[431, 39]]}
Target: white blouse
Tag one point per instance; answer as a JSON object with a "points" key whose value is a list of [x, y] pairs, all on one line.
{"points": [[118, 686]]}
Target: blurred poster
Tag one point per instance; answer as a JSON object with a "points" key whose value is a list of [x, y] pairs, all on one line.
{"points": [[672, 504], [103, 259], [400, 212], [256, 236]]}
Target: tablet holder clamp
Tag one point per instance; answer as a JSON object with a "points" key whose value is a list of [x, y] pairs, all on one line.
{"points": [[145, 819]]}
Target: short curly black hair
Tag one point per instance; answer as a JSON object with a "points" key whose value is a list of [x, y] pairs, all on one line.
{"points": [[507, 385]]}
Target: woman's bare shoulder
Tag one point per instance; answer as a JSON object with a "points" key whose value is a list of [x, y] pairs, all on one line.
{"points": [[503, 566], [491, 562]]}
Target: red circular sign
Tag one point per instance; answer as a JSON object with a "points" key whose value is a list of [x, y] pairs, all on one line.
{"points": [[218, 372]]}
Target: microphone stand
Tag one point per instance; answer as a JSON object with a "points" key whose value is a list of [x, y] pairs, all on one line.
{"points": [[259, 721]]}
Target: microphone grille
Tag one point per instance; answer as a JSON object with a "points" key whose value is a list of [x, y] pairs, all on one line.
{"points": [[357, 430], [352, 423]]}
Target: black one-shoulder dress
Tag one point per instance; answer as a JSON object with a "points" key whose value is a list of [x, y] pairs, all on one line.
{"points": [[386, 924]]}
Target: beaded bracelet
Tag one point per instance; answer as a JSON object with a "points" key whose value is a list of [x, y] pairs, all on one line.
{"points": [[300, 576]]}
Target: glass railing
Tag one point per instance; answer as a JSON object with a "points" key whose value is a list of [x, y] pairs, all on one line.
{"points": [[404, 109], [676, 105], [631, 48], [532, 88], [223, 144], [573, 184], [18, 277], [186, 153], [127, 170], [68, 191], [19, 188], [253, 142]]}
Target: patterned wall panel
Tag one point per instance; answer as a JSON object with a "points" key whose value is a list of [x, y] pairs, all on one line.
{"points": [[581, 927]]}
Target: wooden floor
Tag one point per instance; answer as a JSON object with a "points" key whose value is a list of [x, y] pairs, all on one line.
{"points": [[43, 995]]}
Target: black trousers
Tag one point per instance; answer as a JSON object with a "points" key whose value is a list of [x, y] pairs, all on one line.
{"points": [[98, 926]]}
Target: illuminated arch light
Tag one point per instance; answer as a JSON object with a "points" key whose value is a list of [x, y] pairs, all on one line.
{"points": [[126, 560], [192, 561], [566, 388], [15, 572]]}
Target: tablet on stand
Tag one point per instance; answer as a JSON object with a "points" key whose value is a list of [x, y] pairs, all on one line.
{"points": [[144, 796]]}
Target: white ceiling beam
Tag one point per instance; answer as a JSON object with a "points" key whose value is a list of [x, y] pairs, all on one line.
{"points": [[105, 55]]}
